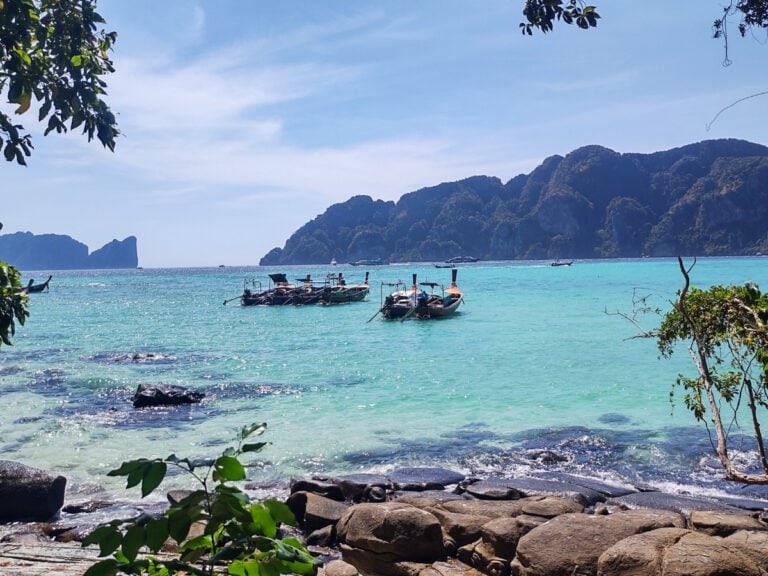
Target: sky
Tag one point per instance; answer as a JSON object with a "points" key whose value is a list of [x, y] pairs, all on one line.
{"points": [[242, 120]]}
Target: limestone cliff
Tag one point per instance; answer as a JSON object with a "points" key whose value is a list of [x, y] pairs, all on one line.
{"points": [[27, 251], [708, 198]]}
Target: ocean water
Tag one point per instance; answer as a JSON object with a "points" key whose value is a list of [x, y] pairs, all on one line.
{"points": [[537, 371]]}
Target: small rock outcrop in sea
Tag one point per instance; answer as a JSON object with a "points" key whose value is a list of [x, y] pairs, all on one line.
{"points": [[28, 251], [164, 395], [29, 494]]}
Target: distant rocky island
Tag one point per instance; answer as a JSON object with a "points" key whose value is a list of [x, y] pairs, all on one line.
{"points": [[705, 199], [27, 251]]}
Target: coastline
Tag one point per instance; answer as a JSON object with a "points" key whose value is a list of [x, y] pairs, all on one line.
{"points": [[550, 504]]}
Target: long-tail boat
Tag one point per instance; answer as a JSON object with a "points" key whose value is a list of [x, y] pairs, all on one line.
{"points": [[338, 291], [281, 292], [32, 288], [415, 302]]}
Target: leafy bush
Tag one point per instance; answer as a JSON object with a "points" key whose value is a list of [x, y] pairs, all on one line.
{"points": [[13, 302], [239, 538]]}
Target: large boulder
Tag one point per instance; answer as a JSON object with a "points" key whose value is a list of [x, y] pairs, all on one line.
{"points": [[723, 524], [639, 555], [698, 554], [314, 512], [29, 494], [677, 552], [459, 529], [572, 543], [390, 538]]}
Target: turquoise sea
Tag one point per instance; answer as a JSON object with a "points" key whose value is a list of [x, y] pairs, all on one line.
{"points": [[536, 371]]}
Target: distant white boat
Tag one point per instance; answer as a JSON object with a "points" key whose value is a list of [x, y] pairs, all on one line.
{"points": [[333, 261]]}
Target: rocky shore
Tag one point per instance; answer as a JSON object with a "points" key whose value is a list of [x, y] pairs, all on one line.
{"points": [[436, 522]]}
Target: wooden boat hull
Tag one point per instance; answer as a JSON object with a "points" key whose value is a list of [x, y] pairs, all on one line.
{"points": [[342, 295], [307, 293], [427, 311], [415, 303], [33, 288]]}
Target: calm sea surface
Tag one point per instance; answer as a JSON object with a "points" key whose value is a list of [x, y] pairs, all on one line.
{"points": [[535, 372]]}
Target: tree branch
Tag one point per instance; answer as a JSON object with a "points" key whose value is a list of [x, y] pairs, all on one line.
{"points": [[700, 344]]}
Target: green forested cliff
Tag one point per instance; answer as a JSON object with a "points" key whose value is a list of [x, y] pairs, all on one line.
{"points": [[709, 198]]}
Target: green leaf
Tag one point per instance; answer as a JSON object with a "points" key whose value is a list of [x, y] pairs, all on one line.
{"points": [[76, 60], [253, 447], [44, 110], [24, 102], [301, 568], [136, 475], [294, 557], [153, 477], [103, 568], [192, 556], [192, 499], [132, 541], [157, 568], [237, 568], [228, 468], [120, 557], [205, 542], [178, 525], [263, 520], [184, 462], [77, 119], [257, 429], [126, 468], [270, 568], [280, 512], [157, 533], [110, 542], [23, 56], [96, 534]]}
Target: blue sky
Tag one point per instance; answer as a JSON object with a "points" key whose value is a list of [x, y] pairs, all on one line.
{"points": [[244, 119]]}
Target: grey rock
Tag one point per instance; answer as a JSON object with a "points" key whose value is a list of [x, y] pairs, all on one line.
{"points": [[314, 512], [164, 395], [523, 487], [29, 494], [677, 503], [605, 488], [424, 478]]}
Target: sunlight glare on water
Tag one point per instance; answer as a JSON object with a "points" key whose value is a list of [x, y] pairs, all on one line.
{"points": [[534, 348]]}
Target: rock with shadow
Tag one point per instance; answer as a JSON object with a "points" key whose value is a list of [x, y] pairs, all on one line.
{"points": [[29, 494], [164, 395]]}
